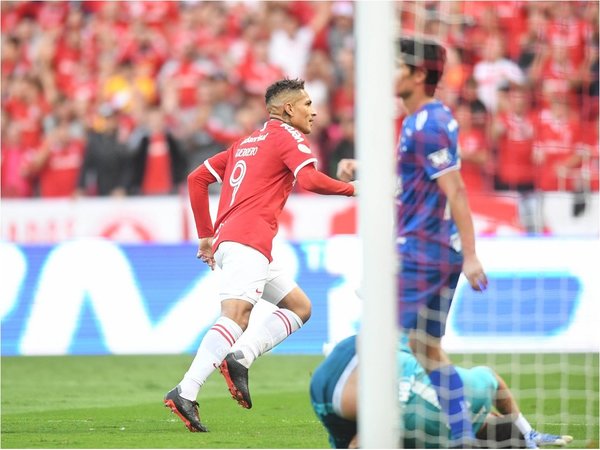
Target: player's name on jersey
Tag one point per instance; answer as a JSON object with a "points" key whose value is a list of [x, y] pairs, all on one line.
{"points": [[250, 151], [259, 138], [295, 133]]}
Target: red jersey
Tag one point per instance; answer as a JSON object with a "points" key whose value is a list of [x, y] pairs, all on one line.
{"points": [[472, 142], [555, 142], [515, 150], [258, 174], [157, 176], [59, 176]]}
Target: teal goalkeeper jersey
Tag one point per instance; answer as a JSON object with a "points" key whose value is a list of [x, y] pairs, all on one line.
{"points": [[424, 423]]}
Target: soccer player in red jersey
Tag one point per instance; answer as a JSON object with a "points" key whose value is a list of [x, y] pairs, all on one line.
{"points": [[257, 174]]}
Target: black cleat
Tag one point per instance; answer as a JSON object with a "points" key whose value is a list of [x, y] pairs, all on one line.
{"points": [[187, 410], [236, 377]]}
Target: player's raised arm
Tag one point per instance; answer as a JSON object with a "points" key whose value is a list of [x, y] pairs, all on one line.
{"points": [[311, 179]]}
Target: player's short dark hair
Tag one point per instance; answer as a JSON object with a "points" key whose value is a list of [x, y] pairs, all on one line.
{"points": [[424, 54], [281, 86]]}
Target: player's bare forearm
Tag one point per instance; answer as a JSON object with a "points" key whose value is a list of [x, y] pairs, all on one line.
{"points": [[454, 189], [312, 180]]}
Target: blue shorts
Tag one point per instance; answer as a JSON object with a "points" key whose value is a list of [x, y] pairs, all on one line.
{"points": [[322, 384], [425, 294]]}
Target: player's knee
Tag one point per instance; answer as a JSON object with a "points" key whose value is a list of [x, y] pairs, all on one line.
{"points": [[304, 312], [297, 302], [238, 311]]}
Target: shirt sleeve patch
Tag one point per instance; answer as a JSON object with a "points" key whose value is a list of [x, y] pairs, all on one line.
{"points": [[440, 158]]}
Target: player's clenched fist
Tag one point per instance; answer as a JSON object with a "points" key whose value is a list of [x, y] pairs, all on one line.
{"points": [[346, 169]]}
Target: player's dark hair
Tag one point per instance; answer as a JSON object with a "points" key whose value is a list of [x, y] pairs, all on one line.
{"points": [[424, 54], [281, 86]]}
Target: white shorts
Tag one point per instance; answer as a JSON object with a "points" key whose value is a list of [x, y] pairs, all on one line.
{"points": [[247, 275]]}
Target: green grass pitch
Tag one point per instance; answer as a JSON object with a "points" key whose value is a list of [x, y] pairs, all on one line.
{"points": [[116, 402]]}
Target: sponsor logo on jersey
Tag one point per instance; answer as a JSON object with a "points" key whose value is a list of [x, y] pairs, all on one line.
{"points": [[440, 159], [295, 133], [250, 139], [250, 151]]}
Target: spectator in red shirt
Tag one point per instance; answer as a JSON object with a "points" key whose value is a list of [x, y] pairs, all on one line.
{"points": [[567, 29], [256, 73], [26, 107], [556, 138], [474, 153], [58, 162], [158, 166], [553, 70], [15, 163], [513, 133], [182, 74]]}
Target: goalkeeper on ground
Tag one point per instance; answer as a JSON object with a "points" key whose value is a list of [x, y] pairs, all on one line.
{"points": [[497, 421]]}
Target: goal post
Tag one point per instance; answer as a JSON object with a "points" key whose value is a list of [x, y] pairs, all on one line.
{"points": [[378, 419]]}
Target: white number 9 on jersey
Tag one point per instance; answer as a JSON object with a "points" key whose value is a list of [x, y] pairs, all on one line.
{"points": [[237, 176]]}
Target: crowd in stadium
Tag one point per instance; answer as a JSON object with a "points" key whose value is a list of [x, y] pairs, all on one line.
{"points": [[126, 98]]}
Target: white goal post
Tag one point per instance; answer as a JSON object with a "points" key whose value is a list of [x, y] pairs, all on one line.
{"points": [[378, 424]]}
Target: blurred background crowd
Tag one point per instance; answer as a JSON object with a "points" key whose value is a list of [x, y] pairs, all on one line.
{"points": [[126, 98]]}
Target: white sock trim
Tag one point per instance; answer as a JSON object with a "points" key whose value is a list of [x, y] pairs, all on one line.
{"points": [[523, 424]]}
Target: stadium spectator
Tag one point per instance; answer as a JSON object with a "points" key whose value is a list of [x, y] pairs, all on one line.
{"points": [[567, 29], [341, 29], [345, 147], [182, 74], [15, 163], [104, 168], [158, 165], [474, 152], [221, 123], [533, 37], [513, 135], [554, 147], [291, 41], [259, 173], [78, 49], [553, 70], [468, 96], [26, 108], [495, 72], [319, 77], [255, 73], [58, 162], [497, 419]]}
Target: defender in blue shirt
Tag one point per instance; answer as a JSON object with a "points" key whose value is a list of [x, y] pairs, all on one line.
{"points": [[435, 235]]}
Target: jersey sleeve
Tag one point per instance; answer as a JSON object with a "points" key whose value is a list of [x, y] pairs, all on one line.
{"points": [[295, 149], [437, 147], [198, 181], [217, 164]]}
